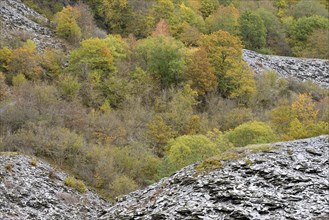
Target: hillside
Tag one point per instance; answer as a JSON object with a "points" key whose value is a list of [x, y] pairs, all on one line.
{"points": [[37, 191], [288, 183], [122, 93]]}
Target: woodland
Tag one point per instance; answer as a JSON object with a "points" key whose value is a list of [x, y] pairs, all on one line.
{"points": [[143, 88]]}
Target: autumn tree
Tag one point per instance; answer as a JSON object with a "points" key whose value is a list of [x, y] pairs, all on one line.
{"points": [[174, 116], [52, 62], [163, 57], [94, 63], [4, 89], [188, 34], [224, 18], [186, 150], [5, 56], [207, 7], [302, 28], [87, 23], [116, 14], [309, 8], [67, 26], [25, 60], [255, 132], [317, 45], [200, 73], [253, 30], [275, 32], [298, 120], [225, 55], [94, 55], [186, 15]]}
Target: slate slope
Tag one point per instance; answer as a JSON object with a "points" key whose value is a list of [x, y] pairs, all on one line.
{"points": [[17, 18], [316, 70], [38, 192], [289, 183]]}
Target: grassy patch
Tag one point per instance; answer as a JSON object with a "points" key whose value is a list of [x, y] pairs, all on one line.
{"points": [[9, 153], [75, 184]]}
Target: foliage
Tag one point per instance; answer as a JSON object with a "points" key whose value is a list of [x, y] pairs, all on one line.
{"points": [[317, 45], [5, 56], [299, 120], [163, 57], [302, 28], [224, 18], [275, 34], [67, 26], [187, 15], [94, 55], [306, 8], [188, 149], [4, 89], [25, 60], [58, 144], [207, 7], [225, 55], [115, 14], [200, 73], [253, 30], [251, 133], [122, 185], [52, 61], [122, 111]]}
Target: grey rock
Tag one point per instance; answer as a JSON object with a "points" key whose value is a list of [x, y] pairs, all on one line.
{"points": [[17, 18], [302, 69], [28, 192], [290, 183]]}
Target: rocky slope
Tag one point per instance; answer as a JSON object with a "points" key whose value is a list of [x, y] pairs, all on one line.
{"points": [[38, 192], [18, 20], [291, 182], [303, 69]]}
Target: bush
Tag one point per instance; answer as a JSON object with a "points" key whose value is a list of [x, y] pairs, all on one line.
{"points": [[75, 184], [56, 143], [122, 185], [251, 133], [186, 150]]}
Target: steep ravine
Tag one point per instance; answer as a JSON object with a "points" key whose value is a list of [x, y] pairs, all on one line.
{"points": [[289, 183]]}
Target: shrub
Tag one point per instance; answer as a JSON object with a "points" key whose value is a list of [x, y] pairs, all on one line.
{"points": [[122, 185], [75, 184], [186, 150], [251, 133], [67, 26]]}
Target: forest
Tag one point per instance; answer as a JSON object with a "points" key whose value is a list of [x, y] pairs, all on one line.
{"points": [[143, 88]]}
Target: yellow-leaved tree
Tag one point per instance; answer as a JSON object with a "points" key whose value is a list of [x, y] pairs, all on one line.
{"points": [[299, 120], [67, 26], [235, 79]]}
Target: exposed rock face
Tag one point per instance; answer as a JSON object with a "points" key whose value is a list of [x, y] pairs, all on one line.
{"points": [[36, 192], [300, 68], [291, 182], [17, 18]]}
